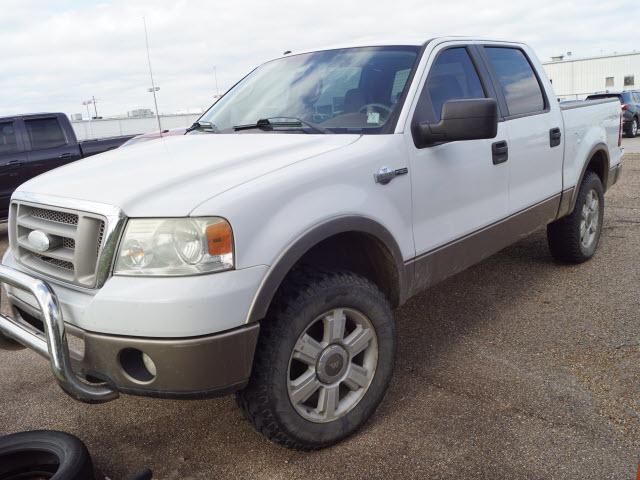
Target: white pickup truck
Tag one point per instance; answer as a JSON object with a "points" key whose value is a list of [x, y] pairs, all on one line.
{"points": [[263, 252]]}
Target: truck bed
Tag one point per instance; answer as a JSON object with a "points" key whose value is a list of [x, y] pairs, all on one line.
{"points": [[95, 146]]}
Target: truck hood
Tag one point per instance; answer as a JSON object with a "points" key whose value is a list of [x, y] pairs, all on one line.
{"points": [[173, 175]]}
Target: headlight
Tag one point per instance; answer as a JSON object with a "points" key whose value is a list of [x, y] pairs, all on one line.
{"points": [[175, 246]]}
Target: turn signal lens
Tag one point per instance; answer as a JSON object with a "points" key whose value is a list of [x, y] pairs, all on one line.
{"points": [[219, 238]]}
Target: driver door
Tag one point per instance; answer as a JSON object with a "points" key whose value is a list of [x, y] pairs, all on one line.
{"points": [[458, 187]]}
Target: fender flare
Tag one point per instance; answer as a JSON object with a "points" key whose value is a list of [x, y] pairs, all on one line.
{"points": [[296, 249], [597, 148]]}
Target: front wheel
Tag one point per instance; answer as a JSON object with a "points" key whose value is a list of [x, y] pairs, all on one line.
{"points": [[575, 238], [323, 362]]}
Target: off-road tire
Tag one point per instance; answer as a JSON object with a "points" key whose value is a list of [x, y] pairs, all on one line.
{"points": [[304, 296], [44, 454], [563, 235]]}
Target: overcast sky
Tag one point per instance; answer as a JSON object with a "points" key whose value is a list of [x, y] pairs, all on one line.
{"points": [[55, 54]]}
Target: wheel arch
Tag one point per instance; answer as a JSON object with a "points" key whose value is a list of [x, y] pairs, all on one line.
{"points": [[597, 162], [359, 239]]}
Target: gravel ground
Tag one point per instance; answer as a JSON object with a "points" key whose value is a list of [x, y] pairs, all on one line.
{"points": [[517, 368]]}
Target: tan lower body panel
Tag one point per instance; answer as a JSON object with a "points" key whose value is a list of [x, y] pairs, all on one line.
{"points": [[436, 265], [185, 367]]}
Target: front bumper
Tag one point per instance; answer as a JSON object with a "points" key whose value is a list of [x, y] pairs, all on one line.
{"points": [[183, 367]]}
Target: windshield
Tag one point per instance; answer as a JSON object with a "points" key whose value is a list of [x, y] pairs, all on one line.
{"points": [[355, 90]]}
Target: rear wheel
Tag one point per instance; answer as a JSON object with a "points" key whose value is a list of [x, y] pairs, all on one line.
{"points": [[631, 128], [323, 362], [575, 238]]}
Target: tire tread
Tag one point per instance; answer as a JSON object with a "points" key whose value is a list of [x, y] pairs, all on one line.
{"points": [[563, 235], [301, 286]]}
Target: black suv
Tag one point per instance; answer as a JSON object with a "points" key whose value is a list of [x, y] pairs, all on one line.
{"points": [[630, 101]]}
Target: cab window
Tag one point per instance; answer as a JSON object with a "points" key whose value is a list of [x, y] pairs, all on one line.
{"points": [[518, 81], [45, 133], [452, 76]]}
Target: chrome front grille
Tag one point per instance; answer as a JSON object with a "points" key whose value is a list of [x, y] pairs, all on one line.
{"points": [[75, 241]]}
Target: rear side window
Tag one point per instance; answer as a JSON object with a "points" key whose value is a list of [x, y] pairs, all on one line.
{"points": [[45, 133], [519, 83], [452, 77], [8, 142]]}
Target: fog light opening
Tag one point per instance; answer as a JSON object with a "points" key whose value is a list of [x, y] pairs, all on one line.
{"points": [[149, 365], [138, 365]]}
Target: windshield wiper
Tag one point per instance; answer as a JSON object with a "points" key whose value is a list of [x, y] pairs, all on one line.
{"points": [[287, 122], [204, 126]]}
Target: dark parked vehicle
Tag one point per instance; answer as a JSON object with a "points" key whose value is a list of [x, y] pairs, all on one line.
{"points": [[630, 100], [33, 144]]}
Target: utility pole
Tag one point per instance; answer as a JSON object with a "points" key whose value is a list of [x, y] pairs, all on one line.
{"points": [[95, 109], [153, 88]]}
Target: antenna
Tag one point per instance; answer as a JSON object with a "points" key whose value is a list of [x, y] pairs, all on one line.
{"points": [[153, 88]]}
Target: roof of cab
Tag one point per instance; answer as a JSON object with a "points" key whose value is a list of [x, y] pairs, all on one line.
{"points": [[37, 114], [392, 41]]}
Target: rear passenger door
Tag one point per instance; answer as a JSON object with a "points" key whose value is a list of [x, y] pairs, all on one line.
{"points": [[49, 146], [534, 126], [12, 160], [457, 187]]}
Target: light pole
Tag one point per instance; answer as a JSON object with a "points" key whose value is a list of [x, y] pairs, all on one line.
{"points": [[91, 101], [153, 88], [86, 104]]}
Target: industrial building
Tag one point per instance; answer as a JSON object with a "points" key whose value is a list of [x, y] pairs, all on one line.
{"points": [[575, 78]]}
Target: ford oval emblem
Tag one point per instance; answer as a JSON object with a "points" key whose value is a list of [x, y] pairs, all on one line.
{"points": [[39, 241]]}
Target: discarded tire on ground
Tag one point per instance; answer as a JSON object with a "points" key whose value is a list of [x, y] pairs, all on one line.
{"points": [[44, 455]]}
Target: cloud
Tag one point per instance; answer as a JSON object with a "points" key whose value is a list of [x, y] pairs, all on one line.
{"points": [[55, 54]]}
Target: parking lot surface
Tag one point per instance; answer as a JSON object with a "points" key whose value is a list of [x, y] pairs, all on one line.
{"points": [[517, 368]]}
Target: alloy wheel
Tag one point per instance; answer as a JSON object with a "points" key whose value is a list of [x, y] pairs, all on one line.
{"points": [[332, 365], [590, 218]]}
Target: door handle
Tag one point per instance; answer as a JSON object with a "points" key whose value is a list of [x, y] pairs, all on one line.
{"points": [[554, 137], [500, 152], [386, 174], [15, 163], [64, 156]]}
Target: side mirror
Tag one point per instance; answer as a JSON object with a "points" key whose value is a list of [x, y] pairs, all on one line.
{"points": [[468, 119]]}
